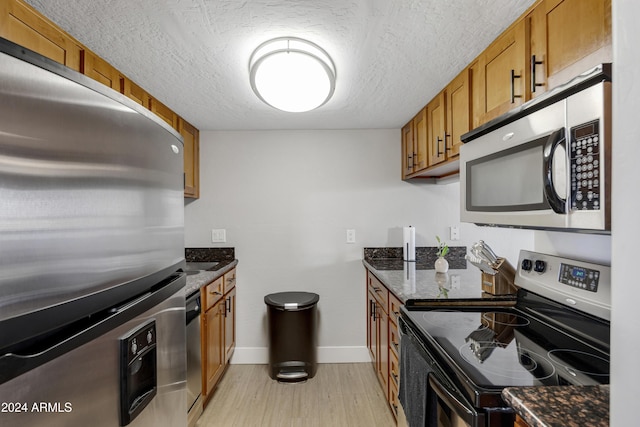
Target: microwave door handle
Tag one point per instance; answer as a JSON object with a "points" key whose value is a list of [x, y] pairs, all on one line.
{"points": [[557, 203], [464, 411]]}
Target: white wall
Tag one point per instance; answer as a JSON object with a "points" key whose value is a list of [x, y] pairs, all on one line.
{"points": [[625, 345], [286, 199]]}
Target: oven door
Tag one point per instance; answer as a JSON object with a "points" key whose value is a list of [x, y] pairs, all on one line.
{"points": [[452, 411]]}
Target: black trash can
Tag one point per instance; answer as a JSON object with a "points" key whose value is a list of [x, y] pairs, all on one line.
{"points": [[292, 323]]}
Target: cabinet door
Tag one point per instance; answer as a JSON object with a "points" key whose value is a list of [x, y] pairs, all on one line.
{"points": [[503, 68], [229, 324], [536, 28], [420, 159], [23, 25], [100, 70], [191, 137], [382, 349], [134, 92], [458, 118], [436, 135], [576, 29], [164, 112], [372, 332], [407, 149], [213, 346]]}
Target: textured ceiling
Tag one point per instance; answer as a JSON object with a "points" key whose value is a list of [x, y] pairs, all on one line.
{"points": [[392, 56]]}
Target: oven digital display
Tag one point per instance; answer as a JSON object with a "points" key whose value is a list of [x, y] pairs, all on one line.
{"points": [[579, 277], [578, 273]]}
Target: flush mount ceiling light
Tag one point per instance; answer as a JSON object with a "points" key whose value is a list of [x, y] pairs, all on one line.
{"points": [[292, 74]]}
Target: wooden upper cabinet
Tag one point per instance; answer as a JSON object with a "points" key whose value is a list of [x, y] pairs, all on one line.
{"points": [[21, 24], [502, 73], [436, 133], [134, 92], [191, 137], [458, 112], [578, 37], [164, 112], [420, 145], [100, 70], [407, 149]]}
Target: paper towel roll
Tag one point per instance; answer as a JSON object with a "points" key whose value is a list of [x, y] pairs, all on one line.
{"points": [[409, 243]]}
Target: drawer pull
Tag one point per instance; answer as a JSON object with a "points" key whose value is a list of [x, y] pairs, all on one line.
{"points": [[215, 293], [514, 76]]}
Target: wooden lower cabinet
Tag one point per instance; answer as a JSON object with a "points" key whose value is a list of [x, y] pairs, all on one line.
{"points": [[519, 422], [383, 309], [218, 330], [213, 347]]}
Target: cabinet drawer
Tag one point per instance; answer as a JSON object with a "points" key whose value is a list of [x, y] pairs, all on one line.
{"points": [[393, 398], [394, 369], [212, 293], [229, 280], [379, 291], [394, 308], [394, 339]]}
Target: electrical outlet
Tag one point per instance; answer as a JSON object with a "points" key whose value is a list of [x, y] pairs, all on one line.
{"points": [[351, 236], [454, 232], [219, 235], [455, 281]]}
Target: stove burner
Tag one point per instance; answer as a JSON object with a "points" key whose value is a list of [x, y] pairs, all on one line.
{"points": [[580, 361], [502, 363], [492, 318]]}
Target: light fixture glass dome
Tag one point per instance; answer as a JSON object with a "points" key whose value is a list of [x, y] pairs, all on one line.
{"points": [[292, 74]]}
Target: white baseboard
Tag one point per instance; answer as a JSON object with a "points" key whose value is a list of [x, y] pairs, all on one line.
{"points": [[260, 355]]}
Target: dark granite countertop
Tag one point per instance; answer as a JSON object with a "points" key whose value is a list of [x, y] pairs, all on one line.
{"points": [[204, 277], [418, 280], [560, 406], [408, 283], [198, 258]]}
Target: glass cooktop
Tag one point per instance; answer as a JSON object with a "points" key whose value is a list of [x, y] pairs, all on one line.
{"points": [[489, 348]]}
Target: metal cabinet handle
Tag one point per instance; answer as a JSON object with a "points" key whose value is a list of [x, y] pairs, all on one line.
{"points": [[533, 73], [513, 78], [215, 293], [438, 141], [446, 148]]}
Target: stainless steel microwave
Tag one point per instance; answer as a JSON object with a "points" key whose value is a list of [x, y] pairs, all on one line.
{"points": [[545, 165]]}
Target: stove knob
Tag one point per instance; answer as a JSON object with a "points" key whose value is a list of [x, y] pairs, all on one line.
{"points": [[526, 264], [540, 266]]}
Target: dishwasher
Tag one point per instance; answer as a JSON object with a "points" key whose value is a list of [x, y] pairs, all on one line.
{"points": [[194, 364]]}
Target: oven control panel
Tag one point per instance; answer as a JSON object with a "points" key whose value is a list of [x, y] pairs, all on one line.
{"points": [[579, 277], [582, 285], [584, 156]]}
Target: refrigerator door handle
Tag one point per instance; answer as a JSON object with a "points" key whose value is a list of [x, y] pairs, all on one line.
{"points": [[43, 349]]}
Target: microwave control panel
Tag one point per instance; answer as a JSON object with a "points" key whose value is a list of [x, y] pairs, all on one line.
{"points": [[584, 157]]}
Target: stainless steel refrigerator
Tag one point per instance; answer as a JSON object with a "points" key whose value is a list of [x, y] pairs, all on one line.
{"points": [[92, 304]]}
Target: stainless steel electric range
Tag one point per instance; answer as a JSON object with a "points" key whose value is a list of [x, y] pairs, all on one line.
{"points": [[457, 356]]}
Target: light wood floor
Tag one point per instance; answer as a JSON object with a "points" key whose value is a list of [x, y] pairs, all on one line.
{"points": [[346, 394]]}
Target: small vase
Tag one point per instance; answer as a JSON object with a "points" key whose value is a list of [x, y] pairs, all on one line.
{"points": [[441, 265]]}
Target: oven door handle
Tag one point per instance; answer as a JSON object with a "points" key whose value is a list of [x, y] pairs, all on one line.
{"points": [[466, 412], [557, 203]]}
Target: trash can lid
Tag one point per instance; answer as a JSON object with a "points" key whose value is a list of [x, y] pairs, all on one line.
{"points": [[292, 300]]}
